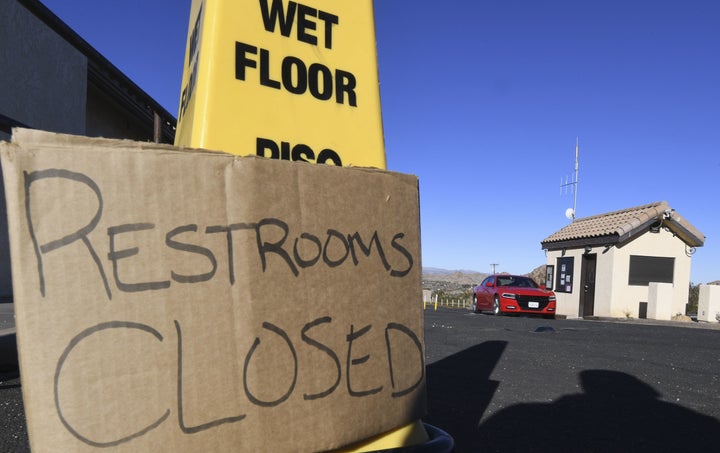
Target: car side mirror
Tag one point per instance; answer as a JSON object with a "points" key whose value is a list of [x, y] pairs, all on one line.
{"points": [[542, 286], [488, 284]]}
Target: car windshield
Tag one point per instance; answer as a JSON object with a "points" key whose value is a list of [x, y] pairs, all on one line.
{"points": [[518, 282]]}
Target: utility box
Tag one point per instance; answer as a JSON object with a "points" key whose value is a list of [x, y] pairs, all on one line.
{"points": [[709, 303], [427, 295], [660, 301]]}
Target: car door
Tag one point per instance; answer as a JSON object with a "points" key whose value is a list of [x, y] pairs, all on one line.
{"points": [[485, 293]]}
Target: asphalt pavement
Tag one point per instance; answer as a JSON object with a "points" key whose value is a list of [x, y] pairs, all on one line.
{"points": [[13, 432], [528, 384]]}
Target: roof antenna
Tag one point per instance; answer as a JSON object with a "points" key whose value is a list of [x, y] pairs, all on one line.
{"points": [[573, 184]]}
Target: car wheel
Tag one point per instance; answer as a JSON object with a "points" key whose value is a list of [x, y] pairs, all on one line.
{"points": [[496, 306], [474, 304]]}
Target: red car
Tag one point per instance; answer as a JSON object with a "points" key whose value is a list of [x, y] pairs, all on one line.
{"points": [[502, 293]]}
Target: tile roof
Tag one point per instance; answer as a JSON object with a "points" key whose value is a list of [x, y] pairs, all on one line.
{"points": [[619, 226]]}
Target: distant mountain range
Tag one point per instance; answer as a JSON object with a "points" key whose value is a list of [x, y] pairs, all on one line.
{"points": [[455, 279], [439, 271], [466, 277]]}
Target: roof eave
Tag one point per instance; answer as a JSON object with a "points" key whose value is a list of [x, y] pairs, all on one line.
{"points": [[596, 241], [685, 233], [637, 230]]}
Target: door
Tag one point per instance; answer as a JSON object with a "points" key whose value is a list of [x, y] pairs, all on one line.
{"points": [[587, 285], [483, 297]]}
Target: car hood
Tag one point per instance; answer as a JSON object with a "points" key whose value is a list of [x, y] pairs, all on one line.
{"points": [[524, 291]]}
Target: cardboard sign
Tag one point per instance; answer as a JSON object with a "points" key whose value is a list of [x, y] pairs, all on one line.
{"points": [[284, 80], [171, 300]]}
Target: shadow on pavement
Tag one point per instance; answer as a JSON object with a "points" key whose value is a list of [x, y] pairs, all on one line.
{"points": [[459, 391], [615, 412]]}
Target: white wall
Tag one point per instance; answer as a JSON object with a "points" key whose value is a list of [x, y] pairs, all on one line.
{"points": [[607, 285], [663, 244], [567, 303]]}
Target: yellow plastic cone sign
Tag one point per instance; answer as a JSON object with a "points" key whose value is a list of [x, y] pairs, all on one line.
{"points": [[292, 81], [283, 80]]}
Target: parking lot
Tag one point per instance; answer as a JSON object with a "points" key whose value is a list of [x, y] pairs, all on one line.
{"points": [[532, 384]]}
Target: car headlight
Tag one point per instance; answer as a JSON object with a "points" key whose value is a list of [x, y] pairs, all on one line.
{"points": [[508, 295], [551, 298]]}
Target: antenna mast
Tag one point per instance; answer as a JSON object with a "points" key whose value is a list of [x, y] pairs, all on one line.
{"points": [[573, 183], [575, 187]]}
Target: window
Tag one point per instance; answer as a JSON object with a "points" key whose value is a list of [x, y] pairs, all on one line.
{"points": [[516, 281], [564, 279], [646, 269]]}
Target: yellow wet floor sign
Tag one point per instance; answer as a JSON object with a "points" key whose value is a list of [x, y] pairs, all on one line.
{"points": [[292, 81], [283, 80]]}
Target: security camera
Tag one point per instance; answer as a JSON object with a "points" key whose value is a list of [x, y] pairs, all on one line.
{"points": [[668, 214]]}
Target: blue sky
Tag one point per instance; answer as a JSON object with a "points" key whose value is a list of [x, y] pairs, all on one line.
{"points": [[483, 101]]}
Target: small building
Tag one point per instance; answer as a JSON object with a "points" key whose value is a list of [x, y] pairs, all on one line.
{"points": [[629, 263]]}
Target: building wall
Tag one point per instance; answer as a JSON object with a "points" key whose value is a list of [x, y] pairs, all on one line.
{"points": [[42, 84], [614, 297], [607, 283], [566, 303], [662, 244], [42, 77]]}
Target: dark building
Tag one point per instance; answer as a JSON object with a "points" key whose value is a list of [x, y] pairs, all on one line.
{"points": [[52, 79]]}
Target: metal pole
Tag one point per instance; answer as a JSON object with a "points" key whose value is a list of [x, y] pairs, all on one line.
{"points": [[577, 147], [157, 129]]}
